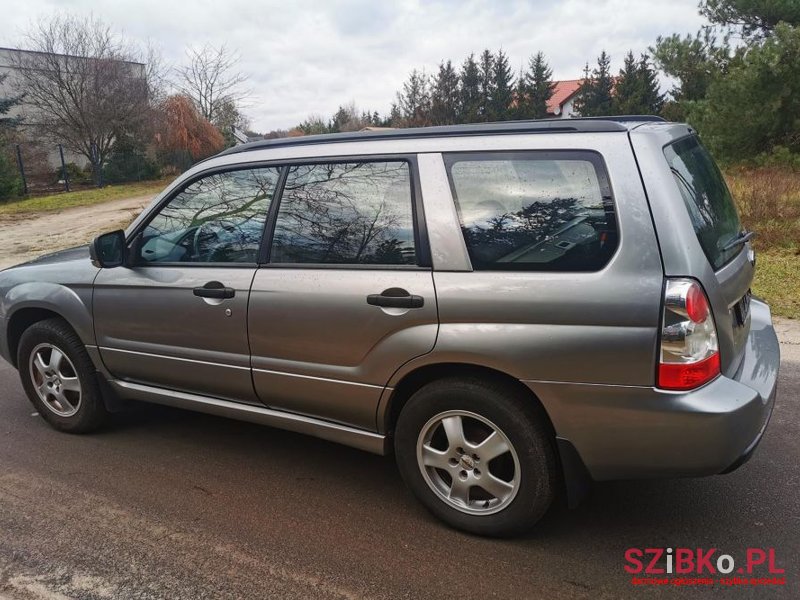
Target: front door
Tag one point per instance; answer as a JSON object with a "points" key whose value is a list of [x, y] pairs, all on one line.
{"points": [[177, 318], [346, 297]]}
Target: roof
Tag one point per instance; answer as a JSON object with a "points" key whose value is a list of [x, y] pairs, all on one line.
{"points": [[23, 51], [562, 91], [585, 125]]}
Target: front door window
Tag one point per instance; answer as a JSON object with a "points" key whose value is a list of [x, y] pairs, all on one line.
{"points": [[217, 219]]}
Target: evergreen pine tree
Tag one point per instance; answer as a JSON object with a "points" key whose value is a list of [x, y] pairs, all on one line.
{"points": [[9, 179], [486, 85], [395, 118], [636, 91], [6, 104], [627, 97], [652, 98], [521, 105], [595, 96], [414, 102], [339, 121], [470, 102], [540, 86], [584, 98], [503, 89], [445, 95]]}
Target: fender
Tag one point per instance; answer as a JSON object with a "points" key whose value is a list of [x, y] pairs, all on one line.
{"points": [[72, 303]]}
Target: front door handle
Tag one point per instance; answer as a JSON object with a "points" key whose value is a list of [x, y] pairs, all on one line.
{"points": [[214, 289], [395, 298]]}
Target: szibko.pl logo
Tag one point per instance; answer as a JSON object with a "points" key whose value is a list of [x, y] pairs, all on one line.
{"points": [[699, 566]]}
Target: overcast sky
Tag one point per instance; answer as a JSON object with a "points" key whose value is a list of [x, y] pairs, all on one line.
{"points": [[305, 57]]}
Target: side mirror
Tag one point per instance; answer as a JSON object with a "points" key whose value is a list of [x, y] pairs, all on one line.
{"points": [[108, 250]]}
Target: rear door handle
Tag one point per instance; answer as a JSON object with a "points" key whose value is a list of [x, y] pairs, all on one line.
{"points": [[396, 298], [214, 289]]}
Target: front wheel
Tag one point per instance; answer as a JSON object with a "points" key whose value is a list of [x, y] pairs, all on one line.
{"points": [[58, 377], [478, 454]]}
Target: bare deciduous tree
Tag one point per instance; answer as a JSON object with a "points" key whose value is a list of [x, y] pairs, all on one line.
{"points": [[84, 85], [211, 80]]}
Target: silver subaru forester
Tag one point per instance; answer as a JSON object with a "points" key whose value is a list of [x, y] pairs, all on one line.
{"points": [[515, 309]]}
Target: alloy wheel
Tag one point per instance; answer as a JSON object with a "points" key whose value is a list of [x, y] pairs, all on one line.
{"points": [[468, 462], [55, 380]]}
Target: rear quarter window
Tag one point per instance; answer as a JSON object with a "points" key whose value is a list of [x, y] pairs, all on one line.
{"points": [[534, 210], [707, 199]]}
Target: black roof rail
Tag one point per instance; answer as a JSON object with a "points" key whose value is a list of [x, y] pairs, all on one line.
{"points": [[625, 118], [577, 125]]}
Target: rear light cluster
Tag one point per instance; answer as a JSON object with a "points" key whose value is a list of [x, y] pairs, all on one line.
{"points": [[689, 350]]}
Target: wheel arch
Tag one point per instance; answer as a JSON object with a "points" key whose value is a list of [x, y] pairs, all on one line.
{"points": [[25, 316], [412, 381], [21, 320], [32, 301]]}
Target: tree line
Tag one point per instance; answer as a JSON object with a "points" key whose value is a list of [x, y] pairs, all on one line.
{"points": [[737, 83], [483, 88]]}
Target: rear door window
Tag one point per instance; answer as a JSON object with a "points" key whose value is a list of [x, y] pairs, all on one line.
{"points": [[346, 213], [707, 199], [534, 211]]}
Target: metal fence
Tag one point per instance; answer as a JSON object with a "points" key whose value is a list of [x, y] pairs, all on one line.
{"points": [[48, 168], [36, 171]]}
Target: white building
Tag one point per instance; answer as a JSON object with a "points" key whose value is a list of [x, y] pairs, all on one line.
{"points": [[13, 86]]}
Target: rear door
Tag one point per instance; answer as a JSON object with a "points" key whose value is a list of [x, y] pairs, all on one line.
{"points": [[177, 318], [716, 225], [699, 228], [346, 294]]}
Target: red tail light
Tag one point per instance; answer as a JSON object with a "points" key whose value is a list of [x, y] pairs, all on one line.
{"points": [[689, 350], [697, 308]]}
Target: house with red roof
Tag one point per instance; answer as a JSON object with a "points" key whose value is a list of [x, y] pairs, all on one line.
{"points": [[562, 102]]}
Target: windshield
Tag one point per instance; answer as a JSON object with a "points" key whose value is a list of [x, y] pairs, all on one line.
{"points": [[707, 198]]}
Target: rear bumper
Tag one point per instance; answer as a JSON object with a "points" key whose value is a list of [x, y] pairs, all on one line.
{"points": [[623, 432]]}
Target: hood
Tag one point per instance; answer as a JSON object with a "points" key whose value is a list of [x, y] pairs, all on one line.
{"points": [[62, 256], [41, 281]]}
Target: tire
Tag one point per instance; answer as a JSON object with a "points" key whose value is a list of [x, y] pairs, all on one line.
{"points": [[69, 398], [528, 465]]}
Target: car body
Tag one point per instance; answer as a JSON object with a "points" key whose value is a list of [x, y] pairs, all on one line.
{"points": [[553, 287]]}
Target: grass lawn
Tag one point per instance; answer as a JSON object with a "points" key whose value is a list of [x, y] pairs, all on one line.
{"points": [[778, 281], [82, 197], [769, 204]]}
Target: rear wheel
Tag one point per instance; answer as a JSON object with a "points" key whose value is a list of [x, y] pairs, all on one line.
{"points": [[478, 455], [58, 377]]}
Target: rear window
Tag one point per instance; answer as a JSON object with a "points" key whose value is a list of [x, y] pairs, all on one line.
{"points": [[707, 198], [534, 210]]}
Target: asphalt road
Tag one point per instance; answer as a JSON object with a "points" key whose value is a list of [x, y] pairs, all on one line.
{"points": [[171, 504]]}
